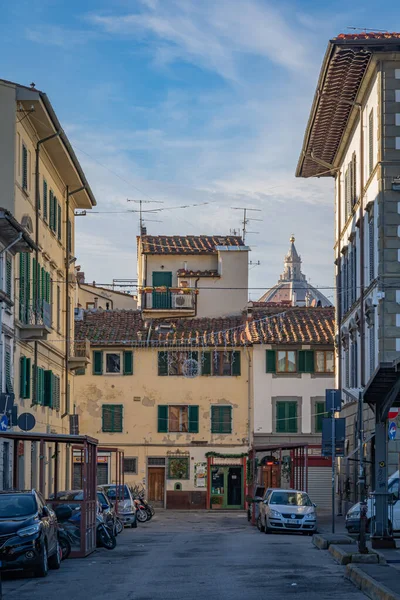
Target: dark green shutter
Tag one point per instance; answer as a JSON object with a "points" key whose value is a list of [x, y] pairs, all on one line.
{"points": [[22, 377], [270, 358], [236, 363], [128, 362], [80, 371], [59, 229], [112, 418], [51, 207], [9, 385], [69, 241], [24, 167], [163, 363], [319, 415], [193, 419], [48, 391], [306, 361], [292, 420], [8, 276], [97, 362], [44, 199], [28, 378], [54, 214], [281, 417], [48, 286], [162, 418], [206, 363], [43, 284]]}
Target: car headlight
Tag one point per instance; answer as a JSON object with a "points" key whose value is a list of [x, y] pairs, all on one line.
{"points": [[355, 514], [311, 516], [27, 531], [276, 514]]}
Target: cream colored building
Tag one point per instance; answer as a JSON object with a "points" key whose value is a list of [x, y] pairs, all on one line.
{"points": [[42, 183], [90, 295], [170, 406], [192, 276]]}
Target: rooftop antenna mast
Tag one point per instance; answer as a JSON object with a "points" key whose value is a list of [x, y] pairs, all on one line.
{"points": [[141, 211], [246, 219]]}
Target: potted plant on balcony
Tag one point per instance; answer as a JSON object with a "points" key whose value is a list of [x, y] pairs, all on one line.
{"points": [[217, 501]]}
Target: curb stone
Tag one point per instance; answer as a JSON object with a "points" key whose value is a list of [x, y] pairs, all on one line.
{"points": [[344, 557], [324, 541], [368, 585]]}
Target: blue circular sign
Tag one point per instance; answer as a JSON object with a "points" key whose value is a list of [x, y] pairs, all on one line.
{"points": [[3, 423], [392, 431]]}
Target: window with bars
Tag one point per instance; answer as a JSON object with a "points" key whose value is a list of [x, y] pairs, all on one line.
{"points": [[371, 141], [130, 465], [221, 419], [371, 249], [156, 462], [286, 417], [112, 418], [320, 413]]}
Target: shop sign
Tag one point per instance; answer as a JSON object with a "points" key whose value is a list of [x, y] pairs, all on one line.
{"points": [[100, 459], [200, 474], [225, 460]]}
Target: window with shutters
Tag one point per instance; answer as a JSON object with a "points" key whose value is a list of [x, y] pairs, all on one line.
{"points": [[24, 377], [319, 415], [58, 308], [286, 417], [38, 378], [112, 418], [8, 369], [8, 278], [45, 200], [178, 419], [354, 365], [371, 248], [130, 465], [371, 141], [24, 286], [221, 419], [353, 180], [286, 361], [69, 241], [59, 222], [324, 361], [113, 362], [306, 361], [24, 167], [190, 364]]}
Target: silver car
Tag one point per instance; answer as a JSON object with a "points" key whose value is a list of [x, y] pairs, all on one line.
{"points": [[287, 510]]}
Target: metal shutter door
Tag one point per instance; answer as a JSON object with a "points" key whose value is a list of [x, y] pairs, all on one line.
{"points": [[320, 486], [102, 473]]}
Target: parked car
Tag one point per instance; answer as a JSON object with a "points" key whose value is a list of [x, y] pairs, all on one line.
{"points": [[108, 511], [353, 515], [287, 510], [122, 499], [28, 533]]}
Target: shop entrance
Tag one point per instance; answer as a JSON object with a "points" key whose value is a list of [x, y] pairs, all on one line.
{"points": [[226, 487]]}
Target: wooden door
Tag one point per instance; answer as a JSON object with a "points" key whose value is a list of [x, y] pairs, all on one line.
{"points": [[156, 484]]}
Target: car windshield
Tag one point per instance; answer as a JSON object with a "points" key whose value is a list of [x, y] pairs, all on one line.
{"points": [[290, 499], [17, 505], [122, 492], [74, 495], [102, 498]]}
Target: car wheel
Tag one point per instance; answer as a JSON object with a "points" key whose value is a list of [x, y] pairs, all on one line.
{"points": [[65, 547], [55, 560], [266, 528], [43, 568], [260, 526], [119, 526]]}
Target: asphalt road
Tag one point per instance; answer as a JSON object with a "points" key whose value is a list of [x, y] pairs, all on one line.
{"points": [[199, 556]]}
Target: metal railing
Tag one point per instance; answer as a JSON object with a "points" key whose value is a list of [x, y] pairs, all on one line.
{"points": [[80, 349], [169, 300], [36, 314]]}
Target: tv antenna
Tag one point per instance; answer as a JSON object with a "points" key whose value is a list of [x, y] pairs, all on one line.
{"points": [[368, 29], [246, 219], [141, 211]]}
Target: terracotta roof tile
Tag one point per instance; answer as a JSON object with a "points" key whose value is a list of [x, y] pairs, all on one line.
{"points": [[187, 244], [368, 35], [271, 326]]}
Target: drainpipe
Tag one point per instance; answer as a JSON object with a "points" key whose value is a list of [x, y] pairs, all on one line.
{"points": [[36, 290], [195, 296]]}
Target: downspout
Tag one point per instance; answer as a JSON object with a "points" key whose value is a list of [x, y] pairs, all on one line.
{"points": [[36, 290], [339, 312], [195, 296]]}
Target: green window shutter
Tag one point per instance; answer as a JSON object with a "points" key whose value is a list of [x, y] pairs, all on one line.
{"points": [[55, 214], [319, 415], [34, 275], [162, 418], [51, 207], [292, 417], [21, 286], [48, 388], [163, 363], [59, 222], [42, 284], [48, 286], [8, 276], [236, 363], [22, 377], [306, 361], [44, 199], [41, 386], [24, 167], [128, 362], [112, 418], [34, 395], [193, 419], [58, 393], [97, 362], [270, 361], [69, 241], [281, 417], [80, 371], [206, 363], [7, 359], [221, 419], [28, 278], [215, 419], [28, 378]]}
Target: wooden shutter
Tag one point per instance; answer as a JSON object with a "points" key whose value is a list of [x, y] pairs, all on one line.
{"points": [[57, 392], [22, 377], [163, 363], [354, 179], [162, 418], [42, 284], [319, 415], [193, 419], [306, 361], [44, 199], [8, 276], [97, 362], [48, 288], [48, 388], [221, 419], [59, 222], [270, 362], [9, 385], [280, 417], [236, 362], [51, 209], [292, 417], [24, 167], [69, 241], [206, 363], [28, 378], [371, 141], [128, 362]]}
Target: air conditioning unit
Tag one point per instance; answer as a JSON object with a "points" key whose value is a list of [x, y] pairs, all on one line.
{"points": [[78, 312], [182, 301]]}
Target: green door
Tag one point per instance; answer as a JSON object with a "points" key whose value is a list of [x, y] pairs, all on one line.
{"points": [[162, 279], [227, 487]]}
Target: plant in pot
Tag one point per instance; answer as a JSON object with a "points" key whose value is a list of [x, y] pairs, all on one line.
{"points": [[216, 501]]}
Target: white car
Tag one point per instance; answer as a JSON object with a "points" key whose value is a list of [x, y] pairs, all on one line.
{"points": [[353, 515], [287, 510]]}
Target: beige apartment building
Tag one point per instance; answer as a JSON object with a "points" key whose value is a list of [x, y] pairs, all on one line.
{"points": [[42, 183], [91, 295]]}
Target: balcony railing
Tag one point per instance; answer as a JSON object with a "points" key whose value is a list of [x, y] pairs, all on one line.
{"points": [[169, 300], [79, 354], [35, 320]]}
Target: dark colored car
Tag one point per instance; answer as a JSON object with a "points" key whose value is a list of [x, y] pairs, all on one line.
{"points": [[108, 510], [28, 533]]}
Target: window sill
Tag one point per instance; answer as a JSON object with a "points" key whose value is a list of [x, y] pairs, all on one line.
{"points": [[322, 375], [288, 375]]}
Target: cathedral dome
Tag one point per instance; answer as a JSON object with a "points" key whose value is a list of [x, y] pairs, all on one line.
{"points": [[293, 286]]}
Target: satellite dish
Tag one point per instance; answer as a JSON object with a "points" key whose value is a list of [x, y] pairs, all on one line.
{"points": [[26, 421]]}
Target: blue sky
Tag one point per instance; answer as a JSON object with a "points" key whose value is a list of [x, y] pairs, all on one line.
{"points": [[188, 102]]}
